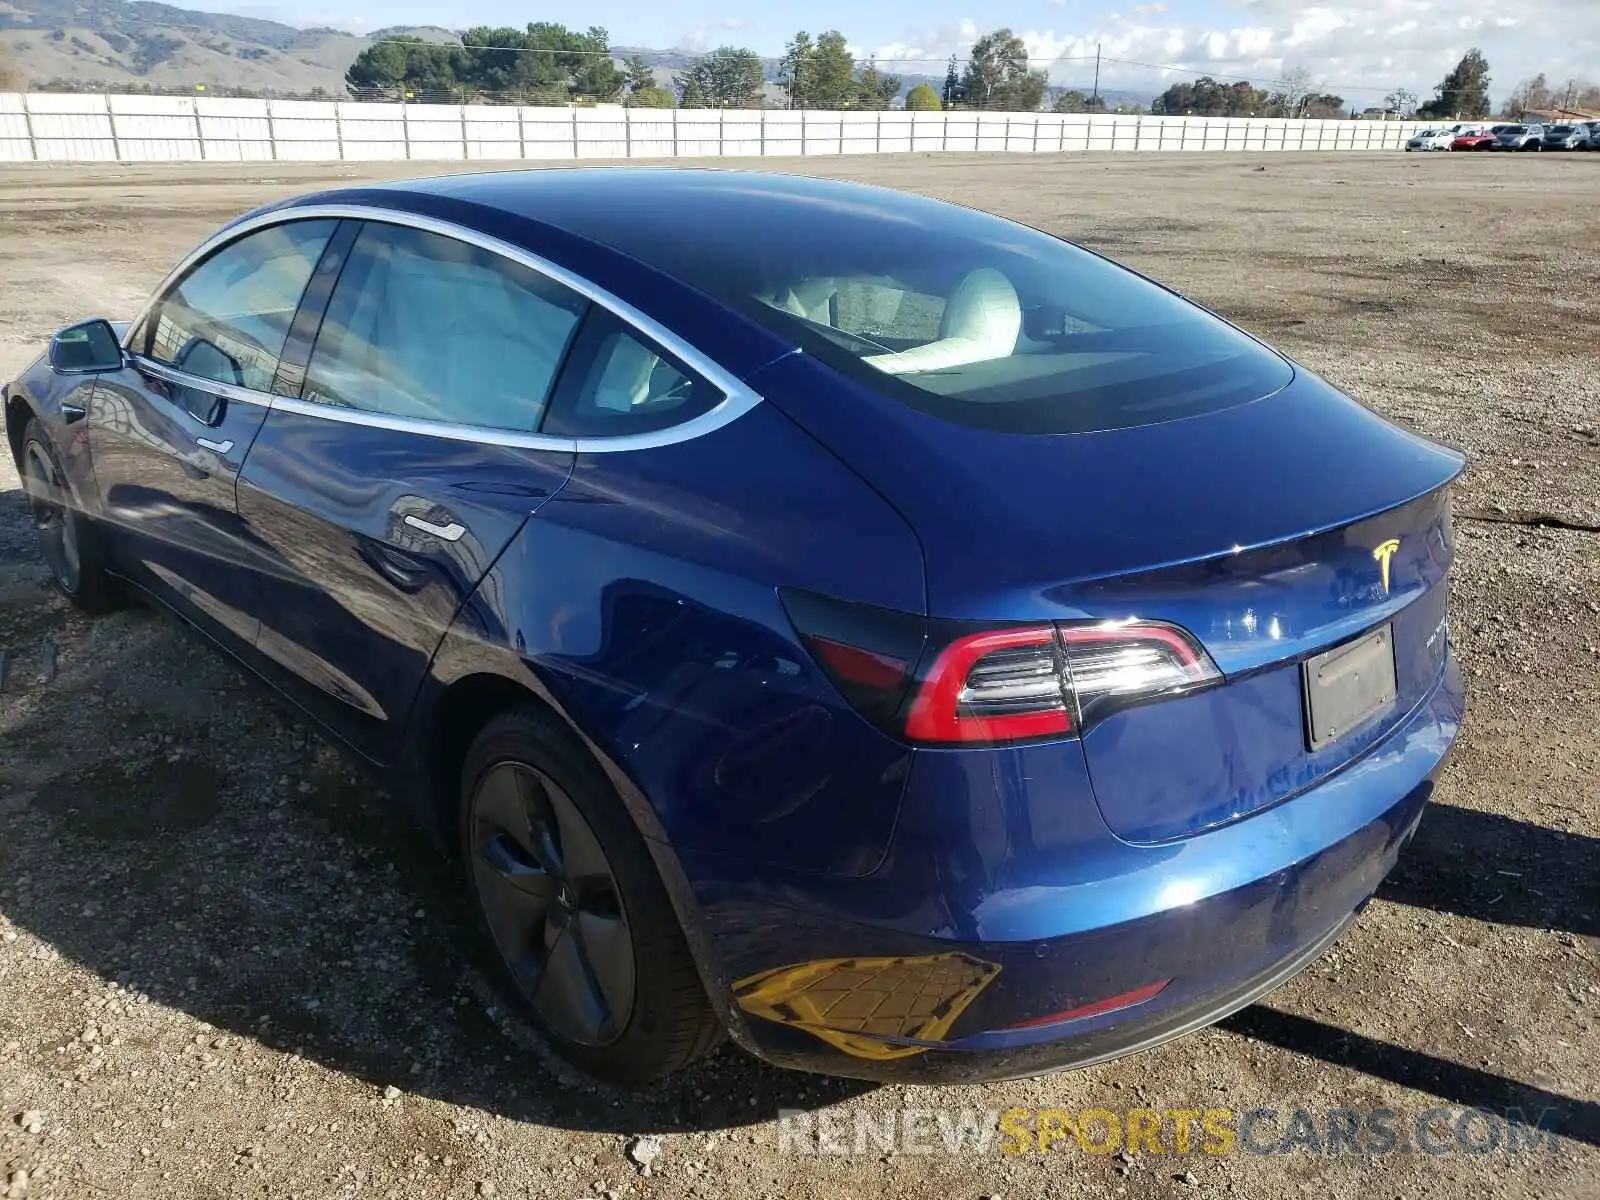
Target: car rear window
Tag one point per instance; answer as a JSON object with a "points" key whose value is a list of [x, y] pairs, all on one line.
{"points": [[972, 318]]}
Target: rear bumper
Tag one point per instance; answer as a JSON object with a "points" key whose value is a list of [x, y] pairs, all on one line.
{"points": [[949, 968]]}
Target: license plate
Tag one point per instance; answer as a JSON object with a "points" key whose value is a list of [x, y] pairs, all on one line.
{"points": [[1349, 686]]}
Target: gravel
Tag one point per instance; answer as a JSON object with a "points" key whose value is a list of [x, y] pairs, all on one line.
{"points": [[219, 950]]}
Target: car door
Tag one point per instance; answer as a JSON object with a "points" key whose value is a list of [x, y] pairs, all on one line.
{"points": [[408, 463], [169, 432]]}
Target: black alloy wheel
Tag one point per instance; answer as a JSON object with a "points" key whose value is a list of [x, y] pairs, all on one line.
{"points": [[53, 521], [552, 903]]}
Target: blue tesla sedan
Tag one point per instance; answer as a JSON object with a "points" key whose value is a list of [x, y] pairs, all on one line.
{"points": [[891, 635]]}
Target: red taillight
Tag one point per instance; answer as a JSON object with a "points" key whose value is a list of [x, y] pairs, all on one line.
{"points": [[1130, 662], [945, 683], [996, 686], [1005, 685]]}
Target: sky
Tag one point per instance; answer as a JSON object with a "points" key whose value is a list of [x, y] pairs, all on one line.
{"points": [[1360, 49]]}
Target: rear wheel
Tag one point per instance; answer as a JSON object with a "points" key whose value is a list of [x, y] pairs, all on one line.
{"points": [[68, 541], [580, 924]]}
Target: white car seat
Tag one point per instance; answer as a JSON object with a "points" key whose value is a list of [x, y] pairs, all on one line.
{"points": [[981, 322]]}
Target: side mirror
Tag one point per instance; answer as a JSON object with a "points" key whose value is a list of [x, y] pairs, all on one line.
{"points": [[86, 348]]}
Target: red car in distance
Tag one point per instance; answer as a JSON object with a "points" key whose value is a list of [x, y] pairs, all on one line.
{"points": [[1478, 140]]}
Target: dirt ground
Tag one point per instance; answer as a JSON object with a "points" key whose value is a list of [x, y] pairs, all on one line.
{"points": [[225, 970]]}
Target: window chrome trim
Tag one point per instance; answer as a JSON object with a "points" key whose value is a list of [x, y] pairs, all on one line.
{"points": [[737, 398], [172, 375], [481, 434]]}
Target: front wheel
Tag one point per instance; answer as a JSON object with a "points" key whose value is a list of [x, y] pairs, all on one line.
{"points": [[578, 918], [67, 539]]}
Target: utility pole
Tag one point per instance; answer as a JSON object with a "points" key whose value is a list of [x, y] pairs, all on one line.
{"points": [[1096, 96]]}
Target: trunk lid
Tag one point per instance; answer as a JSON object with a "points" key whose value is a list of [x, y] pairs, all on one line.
{"points": [[1169, 769], [1261, 529]]}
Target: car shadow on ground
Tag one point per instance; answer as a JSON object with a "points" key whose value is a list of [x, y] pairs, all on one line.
{"points": [[314, 922], [171, 830], [1453, 1082], [1501, 870]]}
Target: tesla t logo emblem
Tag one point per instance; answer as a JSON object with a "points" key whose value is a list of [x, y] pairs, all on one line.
{"points": [[1383, 553]]}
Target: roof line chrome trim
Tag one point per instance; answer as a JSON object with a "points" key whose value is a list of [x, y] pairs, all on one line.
{"points": [[737, 400]]}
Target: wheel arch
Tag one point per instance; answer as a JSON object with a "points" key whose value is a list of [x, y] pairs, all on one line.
{"points": [[442, 729], [18, 412]]}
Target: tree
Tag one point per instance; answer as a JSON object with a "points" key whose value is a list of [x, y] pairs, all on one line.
{"points": [[544, 60], [408, 64], [728, 77], [1401, 102], [1464, 92], [821, 74], [652, 97], [795, 67], [1536, 95], [952, 95], [595, 72], [497, 61], [641, 75], [1207, 97], [1293, 90], [1073, 101], [1323, 107], [923, 98], [1530, 95], [997, 75], [1578, 93], [691, 94], [873, 89]]}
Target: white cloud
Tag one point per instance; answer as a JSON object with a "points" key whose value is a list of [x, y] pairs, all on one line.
{"points": [[708, 34], [1359, 48]]}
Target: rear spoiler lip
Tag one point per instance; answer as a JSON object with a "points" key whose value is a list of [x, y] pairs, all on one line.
{"points": [[1277, 540]]}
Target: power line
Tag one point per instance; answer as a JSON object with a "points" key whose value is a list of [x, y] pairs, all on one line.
{"points": [[1220, 77]]}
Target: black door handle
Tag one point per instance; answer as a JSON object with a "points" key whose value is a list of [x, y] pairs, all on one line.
{"points": [[71, 414], [408, 574]]}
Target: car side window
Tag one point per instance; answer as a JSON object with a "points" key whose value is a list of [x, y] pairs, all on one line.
{"points": [[432, 328], [620, 383], [228, 318]]}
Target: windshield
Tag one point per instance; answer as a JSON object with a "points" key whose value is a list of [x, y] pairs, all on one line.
{"points": [[1513, 129], [978, 320], [1560, 130]]}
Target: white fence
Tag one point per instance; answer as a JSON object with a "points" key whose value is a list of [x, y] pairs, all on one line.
{"points": [[41, 127]]}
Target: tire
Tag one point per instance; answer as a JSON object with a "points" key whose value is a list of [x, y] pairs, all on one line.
{"points": [[573, 911], [69, 541]]}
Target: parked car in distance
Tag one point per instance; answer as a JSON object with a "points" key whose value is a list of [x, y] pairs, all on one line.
{"points": [[1432, 139], [1476, 139], [909, 641], [1591, 140], [1519, 137], [1565, 137]]}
